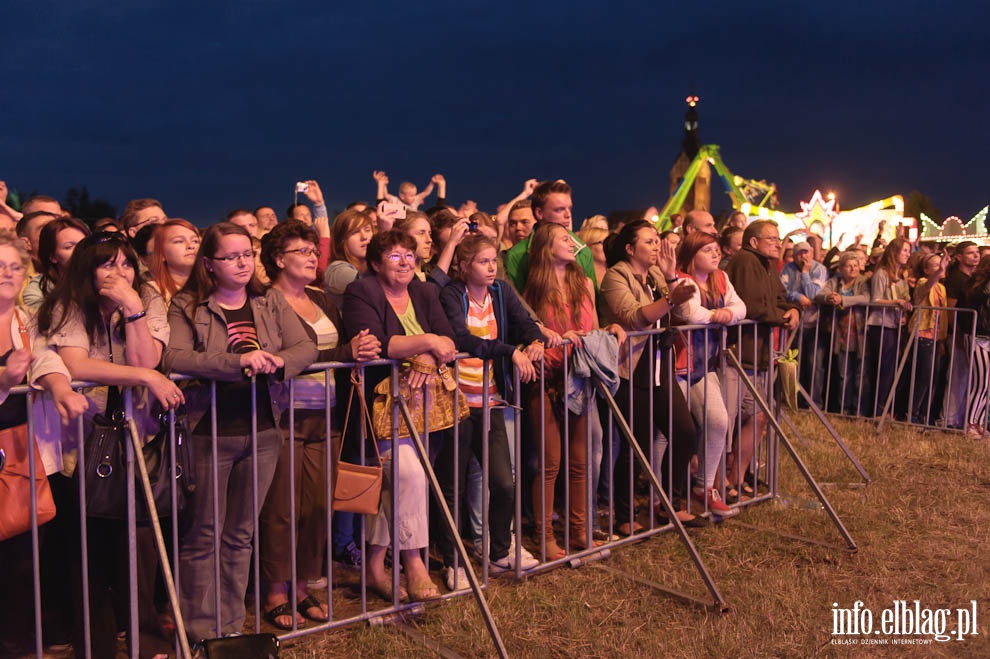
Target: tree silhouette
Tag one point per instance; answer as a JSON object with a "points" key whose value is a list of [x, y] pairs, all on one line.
{"points": [[917, 203], [79, 205]]}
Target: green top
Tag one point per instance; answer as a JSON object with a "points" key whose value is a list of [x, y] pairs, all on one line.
{"points": [[517, 261], [408, 320]]}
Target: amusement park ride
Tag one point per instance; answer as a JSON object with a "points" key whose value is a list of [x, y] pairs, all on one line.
{"points": [[690, 189]]}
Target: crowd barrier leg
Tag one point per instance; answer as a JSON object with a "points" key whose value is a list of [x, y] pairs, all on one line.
{"points": [[659, 492], [448, 519], [733, 362], [166, 568], [905, 356], [820, 415]]}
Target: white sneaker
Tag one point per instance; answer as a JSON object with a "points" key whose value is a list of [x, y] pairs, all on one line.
{"points": [[455, 579], [508, 562]]}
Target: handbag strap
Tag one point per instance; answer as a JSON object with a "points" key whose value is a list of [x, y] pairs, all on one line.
{"points": [[22, 330], [357, 388]]}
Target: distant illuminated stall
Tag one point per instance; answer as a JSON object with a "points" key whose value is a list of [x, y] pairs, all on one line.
{"points": [[953, 230]]}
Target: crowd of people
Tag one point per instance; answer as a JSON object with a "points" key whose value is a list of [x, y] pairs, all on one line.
{"points": [[248, 303]]}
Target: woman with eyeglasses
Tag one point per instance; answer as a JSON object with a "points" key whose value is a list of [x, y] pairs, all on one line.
{"points": [[226, 328], [176, 243], [108, 327], [290, 257], [21, 354], [406, 316], [55, 245]]}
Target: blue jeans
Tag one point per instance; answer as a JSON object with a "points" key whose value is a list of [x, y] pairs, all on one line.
{"points": [[198, 582]]}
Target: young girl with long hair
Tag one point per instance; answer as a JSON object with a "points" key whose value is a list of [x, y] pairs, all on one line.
{"points": [[173, 256], [713, 301], [890, 299], [56, 243], [108, 327], [563, 297], [227, 328]]}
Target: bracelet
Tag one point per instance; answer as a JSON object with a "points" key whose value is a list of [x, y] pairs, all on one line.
{"points": [[138, 316], [671, 281]]}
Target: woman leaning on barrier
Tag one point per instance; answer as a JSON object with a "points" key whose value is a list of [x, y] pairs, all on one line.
{"points": [[563, 297], [637, 296], [847, 293], [929, 291], [110, 328], [42, 367], [290, 257], [490, 322], [889, 301], [226, 328], [713, 301], [406, 316]]}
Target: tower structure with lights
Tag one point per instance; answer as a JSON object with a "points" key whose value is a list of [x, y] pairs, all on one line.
{"points": [[700, 196]]}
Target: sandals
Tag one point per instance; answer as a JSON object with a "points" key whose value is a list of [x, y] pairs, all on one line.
{"points": [[282, 610], [309, 603], [423, 591], [383, 589]]}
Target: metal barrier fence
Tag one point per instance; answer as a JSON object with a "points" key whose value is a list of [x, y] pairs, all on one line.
{"points": [[602, 506], [914, 368]]}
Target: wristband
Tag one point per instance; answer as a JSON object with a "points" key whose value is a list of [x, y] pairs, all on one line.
{"points": [[138, 316], [671, 281]]}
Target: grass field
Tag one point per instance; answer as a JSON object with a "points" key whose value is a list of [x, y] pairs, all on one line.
{"points": [[922, 529]]}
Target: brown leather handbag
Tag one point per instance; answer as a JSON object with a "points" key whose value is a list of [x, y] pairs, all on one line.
{"points": [[358, 488], [443, 392], [16, 479]]}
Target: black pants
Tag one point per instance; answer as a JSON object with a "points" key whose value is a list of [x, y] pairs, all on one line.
{"points": [[671, 416], [500, 485]]}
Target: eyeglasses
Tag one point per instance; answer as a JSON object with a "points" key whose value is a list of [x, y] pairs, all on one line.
{"points": [[230, 258], [771, 239], [304, 252], [395, 257], [12, 268]]}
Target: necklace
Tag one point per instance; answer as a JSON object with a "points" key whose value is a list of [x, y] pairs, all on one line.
{"points": [[480, 304]]}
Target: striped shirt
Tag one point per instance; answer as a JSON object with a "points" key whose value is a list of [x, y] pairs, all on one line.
{"points": [[481, 323]]}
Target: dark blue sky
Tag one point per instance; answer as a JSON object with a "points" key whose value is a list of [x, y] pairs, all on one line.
{"points": [[208, 108]]}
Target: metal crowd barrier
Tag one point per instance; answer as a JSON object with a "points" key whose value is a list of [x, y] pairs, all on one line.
{"points": [[346, 591], [892, 373]]}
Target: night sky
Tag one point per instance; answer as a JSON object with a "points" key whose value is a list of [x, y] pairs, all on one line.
{"points": [[208, 108]]}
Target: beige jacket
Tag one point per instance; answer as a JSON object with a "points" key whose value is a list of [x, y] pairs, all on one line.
{"points": [[622, 302]]}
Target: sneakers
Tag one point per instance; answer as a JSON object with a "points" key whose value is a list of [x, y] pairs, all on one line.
{"points": [[508, 562], [714, 501], [455, 579], [349, 556]]}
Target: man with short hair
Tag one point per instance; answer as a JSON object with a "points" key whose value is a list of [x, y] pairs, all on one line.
{"points": [[803, 279], [139, 212], [955, 371], [753, 274], [267, 219], [520, 223], [244, 218], [699, 220], [29, 228], [551, 201]]}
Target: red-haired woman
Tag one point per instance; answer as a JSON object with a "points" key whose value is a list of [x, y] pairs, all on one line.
{"points": [[713, 301], [173, 256]]}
